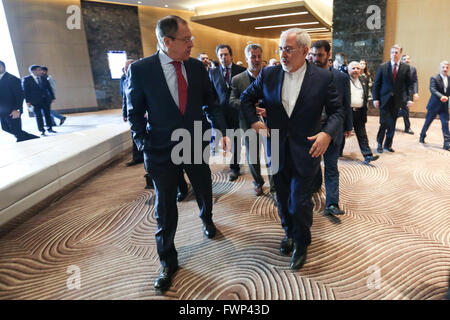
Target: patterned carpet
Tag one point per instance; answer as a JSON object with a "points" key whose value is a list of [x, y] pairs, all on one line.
{"points": [[392, 243]]}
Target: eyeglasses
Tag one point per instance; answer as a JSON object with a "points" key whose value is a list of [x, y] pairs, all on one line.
{"points": [[288, 50], [186, 40]]}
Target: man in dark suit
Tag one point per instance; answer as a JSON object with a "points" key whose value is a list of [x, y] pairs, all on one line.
{"points": [[39, 95], [392, 84], [359, 93], [11, 100], [240, 82], [294, 95], [439, 104], [221, 79], [321, 52], [404, 110], [173, 89]]}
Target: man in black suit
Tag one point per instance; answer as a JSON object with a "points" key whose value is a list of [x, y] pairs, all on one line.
{"points": [[221, 79], [321, 52], [359, 93], [392, 84], [39, 95], [404, 110], [240, 82], [294, 95], [439, 104], [173, 89], [11, 100]]}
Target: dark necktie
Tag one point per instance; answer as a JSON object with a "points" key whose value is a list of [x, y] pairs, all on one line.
{"points": [[227, 76], [394, 72], [39, 81], [182, 87]]}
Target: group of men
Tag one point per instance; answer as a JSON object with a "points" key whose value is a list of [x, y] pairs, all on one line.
{"points": [[306, 107], [38, 90]]}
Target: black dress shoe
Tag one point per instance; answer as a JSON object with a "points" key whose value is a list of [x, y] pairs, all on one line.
{"points": [[133, 162], [62, 121], [164, 279], [43, 133], [233, 175], [51, 130], [209, 229], [333, 209], [389, 149], [258, 190], [380, 149], [422, 140], [298, 257], [409, 131], [367, 159], [286, 246]]}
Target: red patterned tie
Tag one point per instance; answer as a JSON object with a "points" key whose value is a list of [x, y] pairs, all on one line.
{"points": [[394, 73], [182, 87], [227, 76]]}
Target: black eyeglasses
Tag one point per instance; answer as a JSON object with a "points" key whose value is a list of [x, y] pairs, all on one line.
{"points": [[186, 40]]}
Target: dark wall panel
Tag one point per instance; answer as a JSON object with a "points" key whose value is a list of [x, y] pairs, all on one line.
{"points": [[358, 30], [110, 27]]}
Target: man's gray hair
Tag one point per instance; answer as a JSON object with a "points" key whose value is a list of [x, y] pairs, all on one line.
{"points": [[350, 65], [167, 27], [443, 63], [303, 38], [397, 46], [252, 46]]}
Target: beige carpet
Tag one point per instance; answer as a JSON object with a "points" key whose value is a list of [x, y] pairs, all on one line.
{"points": [[392, 243]]}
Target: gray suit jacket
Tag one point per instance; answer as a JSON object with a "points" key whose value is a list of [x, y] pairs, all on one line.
{"points": [[239, 83]]}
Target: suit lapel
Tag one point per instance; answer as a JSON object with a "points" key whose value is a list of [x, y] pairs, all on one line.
{"points": [[190, 81], [279, 81]]}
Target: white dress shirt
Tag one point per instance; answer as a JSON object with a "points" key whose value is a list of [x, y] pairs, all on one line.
{"points": [[171, 75], [292, 84], [445, 79], [356, 93]]}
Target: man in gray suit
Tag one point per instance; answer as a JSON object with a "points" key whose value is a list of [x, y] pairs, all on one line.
{"points": [[240, 82], [404, 110]]}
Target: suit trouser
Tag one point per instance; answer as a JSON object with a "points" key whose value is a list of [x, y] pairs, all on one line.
{"points": [[53, 115], [388, 119], [38, 111], [14, 127], [444, 117], [166, 211], [294, 202], [137, 155], [361, 134], [404, 112], [254, 162]]}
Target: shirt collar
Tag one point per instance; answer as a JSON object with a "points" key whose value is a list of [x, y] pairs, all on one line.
{"points": [[297, 73], [164, 58], [2, 74], [228, 66]]}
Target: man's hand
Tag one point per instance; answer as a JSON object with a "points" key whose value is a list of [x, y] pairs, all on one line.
{"points": [[376, 103], [444, 99], [416, 97], [125, 119], [409, 104], [261, 112], [347, 133], [261, 128], [322, 140], [15, 114], [226, 144]]}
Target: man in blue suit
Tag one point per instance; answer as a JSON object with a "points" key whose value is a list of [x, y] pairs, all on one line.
{"points": [[404, 110], [321, 52], [39, 94], [294, 94], [11, 100], [438, 103], [173, 89], [392, 84], [221, 79]]}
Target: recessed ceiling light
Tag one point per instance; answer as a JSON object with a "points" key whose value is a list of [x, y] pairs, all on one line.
{"points": [[139, 2], [275, 16], [287, 25], [166, 5]]}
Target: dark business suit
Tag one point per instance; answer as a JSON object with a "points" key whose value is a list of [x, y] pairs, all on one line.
{"points": [[222, 92], [436, 106], [296, 170], [404, 111], [239, 83], [137, 155], [40, 96], [148, 91], [11, 98], [391, 95]]}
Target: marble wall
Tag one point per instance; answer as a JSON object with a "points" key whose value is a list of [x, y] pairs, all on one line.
{"points": [[110, 27], [358, 30]]}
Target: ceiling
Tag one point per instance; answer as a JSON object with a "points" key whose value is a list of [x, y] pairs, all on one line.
{"points": [[226, 14]]}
